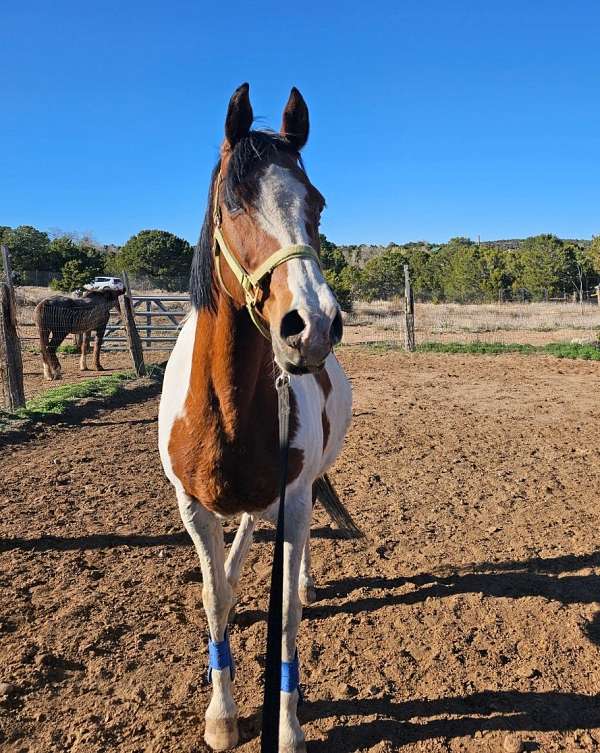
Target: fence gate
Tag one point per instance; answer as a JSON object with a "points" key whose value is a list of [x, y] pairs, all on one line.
{"points": [[158, 319]]}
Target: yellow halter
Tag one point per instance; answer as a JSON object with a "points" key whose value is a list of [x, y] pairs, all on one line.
{"points": [[251, 282]]}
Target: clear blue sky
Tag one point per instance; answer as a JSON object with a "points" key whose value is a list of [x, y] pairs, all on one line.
{"points": [[430, 119]]}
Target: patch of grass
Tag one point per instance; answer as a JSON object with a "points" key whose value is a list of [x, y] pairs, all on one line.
{"points": [[56, 400], [560, 350], [478, 348], [71, 350], [568, 350]]}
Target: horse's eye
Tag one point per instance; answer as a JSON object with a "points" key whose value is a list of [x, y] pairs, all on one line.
{"points": [[234, 211]]}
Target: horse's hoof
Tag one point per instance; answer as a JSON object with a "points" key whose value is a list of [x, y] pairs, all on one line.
{"points": [[307, 594], [221, 734], [299, 747]]}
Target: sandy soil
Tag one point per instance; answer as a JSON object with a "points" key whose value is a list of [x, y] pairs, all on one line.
{"points": [[471, 610]]}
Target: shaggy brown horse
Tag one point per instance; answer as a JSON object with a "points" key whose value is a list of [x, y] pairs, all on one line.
{"points": [[59, 316]]}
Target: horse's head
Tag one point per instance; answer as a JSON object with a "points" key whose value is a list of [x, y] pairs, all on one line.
{"points": [[264, 203], [109, 297]]}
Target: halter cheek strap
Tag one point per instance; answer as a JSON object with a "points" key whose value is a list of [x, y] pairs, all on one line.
{"points": [[252, 282]]}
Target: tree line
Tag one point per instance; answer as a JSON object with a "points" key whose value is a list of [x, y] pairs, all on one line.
{"points": [[464, 271], [72, 260], [461, 270]]}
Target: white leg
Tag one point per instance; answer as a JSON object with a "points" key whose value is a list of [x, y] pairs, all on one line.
{"points": [[239, 550], [206, 531], [84, 347], [306, 586], [297, 523]]}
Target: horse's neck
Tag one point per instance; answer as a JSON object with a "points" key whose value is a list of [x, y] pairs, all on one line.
{"points": [[232, 368]]}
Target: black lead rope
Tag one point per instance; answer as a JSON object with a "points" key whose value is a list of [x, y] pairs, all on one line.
{"points": [[269, 741]]}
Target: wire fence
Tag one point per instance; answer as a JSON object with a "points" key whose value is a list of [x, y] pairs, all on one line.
{"points": [[527, 323], [382, 321]]}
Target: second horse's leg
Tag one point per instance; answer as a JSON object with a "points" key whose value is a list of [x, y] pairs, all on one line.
{"points": [[58, 335], [97, 345], [84, 346]]}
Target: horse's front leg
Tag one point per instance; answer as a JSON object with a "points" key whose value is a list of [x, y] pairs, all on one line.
{"points": [[97, 346], [306, 586], [297, 525], [206, 531], [237, 555], [84, 347]]}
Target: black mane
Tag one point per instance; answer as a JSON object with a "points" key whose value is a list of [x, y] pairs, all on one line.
{"points": [[248, 154]]}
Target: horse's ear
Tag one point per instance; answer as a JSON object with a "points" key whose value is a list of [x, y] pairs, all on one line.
{"points": [[294, 125], [239, 115]]}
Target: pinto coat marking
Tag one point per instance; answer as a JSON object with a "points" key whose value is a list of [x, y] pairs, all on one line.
{"points": [[218, 413]]}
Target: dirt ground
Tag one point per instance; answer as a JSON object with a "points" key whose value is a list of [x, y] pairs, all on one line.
{"points": [[470, 611]]}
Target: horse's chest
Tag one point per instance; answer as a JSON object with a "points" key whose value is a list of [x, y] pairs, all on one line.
{"points": [[230, 474]]}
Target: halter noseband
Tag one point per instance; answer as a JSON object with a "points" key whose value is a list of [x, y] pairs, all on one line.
{"points": [[251, 282]]}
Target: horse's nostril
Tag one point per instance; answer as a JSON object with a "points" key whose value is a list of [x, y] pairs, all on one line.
{"points": [[292, 326], [337, 329]]}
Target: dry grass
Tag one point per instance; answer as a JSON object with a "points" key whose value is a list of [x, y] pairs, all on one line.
{"points": [[535, 323]]}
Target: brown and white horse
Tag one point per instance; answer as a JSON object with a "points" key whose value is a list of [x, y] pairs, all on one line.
{"points": [[218, 413]]}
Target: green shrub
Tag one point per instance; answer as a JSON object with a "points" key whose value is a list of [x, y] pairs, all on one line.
{"points": [[340, 289]]}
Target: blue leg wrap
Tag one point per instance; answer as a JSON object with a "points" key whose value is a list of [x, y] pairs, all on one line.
{"points": [[219, 656], [290, 675]]}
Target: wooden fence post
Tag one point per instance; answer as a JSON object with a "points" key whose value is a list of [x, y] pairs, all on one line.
{"points": [[409, 313], [11, 359], [133, 336]]}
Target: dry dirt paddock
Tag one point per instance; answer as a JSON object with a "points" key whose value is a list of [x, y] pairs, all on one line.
{"points": [[470, 611]]}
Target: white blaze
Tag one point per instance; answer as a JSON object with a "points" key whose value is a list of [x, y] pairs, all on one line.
{"points": [[281, 212]]}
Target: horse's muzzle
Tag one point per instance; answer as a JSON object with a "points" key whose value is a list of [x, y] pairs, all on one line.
{"points": [[305, 341]]}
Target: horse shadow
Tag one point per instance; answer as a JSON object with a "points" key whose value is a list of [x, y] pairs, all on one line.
{"points": [[114, 541], [512, 579], [488, 711]]}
